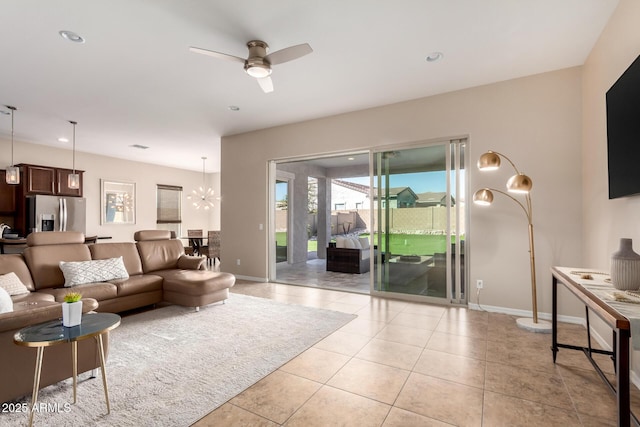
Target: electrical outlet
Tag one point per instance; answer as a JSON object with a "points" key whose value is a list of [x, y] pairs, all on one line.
{"points": [[479, 284], [238, 261]]}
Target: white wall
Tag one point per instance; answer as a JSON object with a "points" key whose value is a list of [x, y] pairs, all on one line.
{"points": [[606, 221], [144, 175], [534, 120]]}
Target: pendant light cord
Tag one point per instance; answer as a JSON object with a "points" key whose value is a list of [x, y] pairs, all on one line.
{"points": [[74, 145], [12, 110], [204, 159]]}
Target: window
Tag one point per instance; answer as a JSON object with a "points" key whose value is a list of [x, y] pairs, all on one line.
{"points": [[169, 212], [340, 206]]}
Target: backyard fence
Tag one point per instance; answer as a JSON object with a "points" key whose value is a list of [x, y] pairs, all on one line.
{"points": [[429, 220]]}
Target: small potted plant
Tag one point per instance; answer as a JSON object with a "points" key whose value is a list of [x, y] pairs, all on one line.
{"points": [[72, 309]]}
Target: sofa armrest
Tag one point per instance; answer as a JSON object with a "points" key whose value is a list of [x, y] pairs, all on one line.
{"points": [[188, 262], [38, 313]]}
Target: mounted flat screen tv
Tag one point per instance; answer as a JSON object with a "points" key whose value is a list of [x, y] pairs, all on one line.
{"points": [[623, 133]]}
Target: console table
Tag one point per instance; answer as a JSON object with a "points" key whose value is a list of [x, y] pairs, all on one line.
{"points": [[594, 291]]}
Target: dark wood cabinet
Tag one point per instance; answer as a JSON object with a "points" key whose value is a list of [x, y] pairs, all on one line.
{"points": [[34, 180], [7, 196], [62, 181], [38, 179], [48, 180]]}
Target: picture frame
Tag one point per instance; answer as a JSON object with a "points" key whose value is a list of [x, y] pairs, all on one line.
{"points": [[117, 202]]}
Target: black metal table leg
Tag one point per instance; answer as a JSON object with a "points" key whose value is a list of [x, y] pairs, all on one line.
{"points": [[554, 319], [622, 378]]}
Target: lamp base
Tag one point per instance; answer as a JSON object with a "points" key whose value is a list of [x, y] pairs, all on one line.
{"points": [[541, 327]]}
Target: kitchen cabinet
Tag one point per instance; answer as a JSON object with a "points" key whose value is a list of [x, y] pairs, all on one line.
{"points": [[48, 180], [62, 182]]}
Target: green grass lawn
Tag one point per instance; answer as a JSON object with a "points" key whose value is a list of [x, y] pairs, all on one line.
{"points": [[413, 244], [400, 244]]}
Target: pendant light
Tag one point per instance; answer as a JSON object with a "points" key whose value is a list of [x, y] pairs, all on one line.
{"points": [[201, 198], [13, 172], [73, 181]]}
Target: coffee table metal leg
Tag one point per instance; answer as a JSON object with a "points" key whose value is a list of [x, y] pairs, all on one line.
{"points": [[74, 356], [104, 372], [36, 383]]}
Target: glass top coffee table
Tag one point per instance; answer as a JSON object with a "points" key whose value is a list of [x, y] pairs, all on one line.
{"points": [[53, 333]]}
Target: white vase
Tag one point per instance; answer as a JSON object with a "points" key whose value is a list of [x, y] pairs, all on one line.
{"points": [[71, 313], [625, 267]]}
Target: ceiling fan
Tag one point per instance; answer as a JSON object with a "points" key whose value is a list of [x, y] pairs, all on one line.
{"points": [[259, 62]]}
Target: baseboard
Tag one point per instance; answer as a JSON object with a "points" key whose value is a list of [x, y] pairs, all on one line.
{"points": [[252, 279], [525, 313]]}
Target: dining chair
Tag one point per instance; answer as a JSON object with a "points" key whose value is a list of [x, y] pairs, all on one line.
{"points": [[212, 250], [195, 240]]}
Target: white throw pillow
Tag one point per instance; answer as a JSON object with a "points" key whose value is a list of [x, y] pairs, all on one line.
{"points": [[348, 243], [6, 303], [11, 283], [364, 242], [340, 242], [98, 270]]}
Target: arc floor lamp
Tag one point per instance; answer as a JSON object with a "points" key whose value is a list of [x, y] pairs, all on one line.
{"points": [[518, 184]]}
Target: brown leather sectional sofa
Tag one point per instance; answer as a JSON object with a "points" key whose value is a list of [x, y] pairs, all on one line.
{"points": [[158, 271]]}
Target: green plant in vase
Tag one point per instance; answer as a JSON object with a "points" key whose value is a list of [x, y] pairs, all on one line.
{"points": [[73, 297], [72, 309]]}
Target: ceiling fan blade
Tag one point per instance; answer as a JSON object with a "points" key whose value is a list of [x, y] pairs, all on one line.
{"points": [[216, 54], [289, 53], [266, 84]]}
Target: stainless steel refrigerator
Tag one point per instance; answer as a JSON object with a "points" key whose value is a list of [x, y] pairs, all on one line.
{"points": [[56, 213]]}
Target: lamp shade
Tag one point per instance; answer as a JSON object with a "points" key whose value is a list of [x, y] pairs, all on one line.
{"points": [[12, 175], [73, 181], [489, 161], [483, 197], [519, 183]]}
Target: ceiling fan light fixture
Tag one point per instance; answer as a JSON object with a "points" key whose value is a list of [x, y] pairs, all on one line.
{"points": [[259, 71]]}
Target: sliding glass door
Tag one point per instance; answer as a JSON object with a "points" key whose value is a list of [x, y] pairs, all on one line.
{"points": [[420, 221]]}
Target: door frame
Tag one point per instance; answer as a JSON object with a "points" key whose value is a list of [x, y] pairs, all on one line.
{"points": [[461, 198]]}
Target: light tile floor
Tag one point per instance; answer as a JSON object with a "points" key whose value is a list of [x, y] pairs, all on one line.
{"points": [[410, 364], [314, 273]]}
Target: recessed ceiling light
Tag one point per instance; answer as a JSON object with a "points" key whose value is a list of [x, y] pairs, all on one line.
{"points": [[434, 56], [71, 36], [63, 139], [234, 108], [351, 158]]}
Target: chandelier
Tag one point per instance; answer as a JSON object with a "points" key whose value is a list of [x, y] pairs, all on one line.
{"points": [[202, 198]]}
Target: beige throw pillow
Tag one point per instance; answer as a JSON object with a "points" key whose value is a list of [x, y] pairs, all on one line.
{"points": [[11, 283], [99, 270]]}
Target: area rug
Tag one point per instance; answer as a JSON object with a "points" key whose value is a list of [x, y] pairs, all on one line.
{"points": [[171, 366]]}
